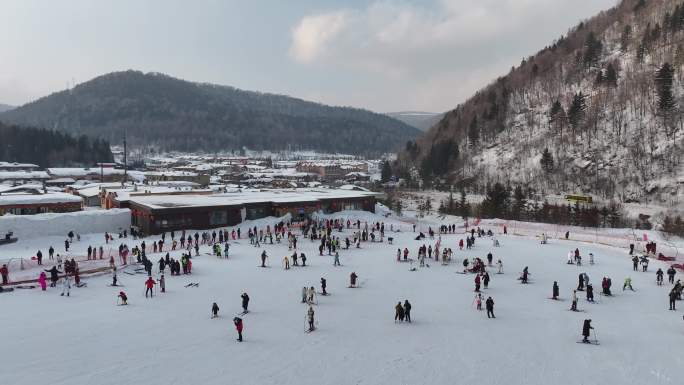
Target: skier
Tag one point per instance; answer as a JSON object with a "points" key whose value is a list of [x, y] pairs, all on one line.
{"points": [[477, 283], [525, 273], [123, 297], [478, 301], [310, 295], [635, 263], [149, 284], [310, 318], [214, 310], [659, 277], [323, 284], [490, 307], [352, 279], [407, 311], [238, 326], [114, 276], [555, 290], [66, 285], [627, 284], [673, 298], [398, 312], [245, 303], [162, 284], [671, 274], [303, 258], [500, 266], [573, 307], [580, 284], [590, 293], [286, 262], [304, 294], [586, 330], [591, 258]]}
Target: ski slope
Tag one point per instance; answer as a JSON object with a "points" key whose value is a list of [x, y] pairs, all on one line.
{"points": [[170, 339]]}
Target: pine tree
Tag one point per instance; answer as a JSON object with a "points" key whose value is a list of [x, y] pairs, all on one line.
{"points": [[664, 78], [385, 172], [546, 161], [473, 132], [592, 50], [464, 206], [519, 204], [428, 205], [577, 111], [495, 203]]}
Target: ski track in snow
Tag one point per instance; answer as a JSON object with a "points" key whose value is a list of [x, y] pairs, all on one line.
{"points": [[171, 339]]}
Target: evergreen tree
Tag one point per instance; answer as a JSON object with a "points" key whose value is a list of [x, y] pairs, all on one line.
{"points": [[664, 78], [464, 206], [385, 172], [577, 111], [473, 132], [546, 161], [519, 203], [495, 204], [592, 50]]}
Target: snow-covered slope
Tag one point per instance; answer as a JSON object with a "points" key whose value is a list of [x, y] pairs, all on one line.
{"points": [[170, 339]]}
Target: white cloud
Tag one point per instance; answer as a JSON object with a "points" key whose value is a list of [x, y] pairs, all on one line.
{"points": [[310, 35], [452, 47]]}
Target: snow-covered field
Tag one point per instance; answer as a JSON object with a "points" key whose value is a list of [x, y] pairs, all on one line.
{"points": [[170, 339]]}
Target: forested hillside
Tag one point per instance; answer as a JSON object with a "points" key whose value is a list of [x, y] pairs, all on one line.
{"points": [[50, 149], [599, 111], [173, 114]]}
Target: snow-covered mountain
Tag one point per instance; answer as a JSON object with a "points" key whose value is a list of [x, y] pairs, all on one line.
{"points": [[606, 100]]}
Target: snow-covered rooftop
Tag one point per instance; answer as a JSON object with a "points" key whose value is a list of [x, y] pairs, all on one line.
{"points": [[8, 199], [246, 197]]}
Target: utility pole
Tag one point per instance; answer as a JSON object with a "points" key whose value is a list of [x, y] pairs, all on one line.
{"points": [[125, 160]]}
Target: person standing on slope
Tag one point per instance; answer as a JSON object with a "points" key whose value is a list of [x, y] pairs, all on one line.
{"points": [[149, 285], [555, 290], [398, 312], [573, 307], [238, 326], [66, 285], [352, 279], [214, 310], [245, 302], [407, 311], [310, 318], [490, 307]]}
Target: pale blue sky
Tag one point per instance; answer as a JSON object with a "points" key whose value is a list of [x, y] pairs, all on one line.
{"points": [[385, 55]]}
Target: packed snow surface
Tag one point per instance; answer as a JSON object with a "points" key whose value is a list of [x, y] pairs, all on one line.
{"points": [[170, 339]]}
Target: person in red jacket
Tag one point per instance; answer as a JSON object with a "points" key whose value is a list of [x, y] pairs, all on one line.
{"points": [[238, 326], [5, 274], [477, 283], [149, 284]]}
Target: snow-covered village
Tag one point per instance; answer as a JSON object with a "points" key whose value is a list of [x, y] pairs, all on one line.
{"points": [[161, 230]]}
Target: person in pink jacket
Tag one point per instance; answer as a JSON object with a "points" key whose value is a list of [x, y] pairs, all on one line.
{"points": [[42, 280]]}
